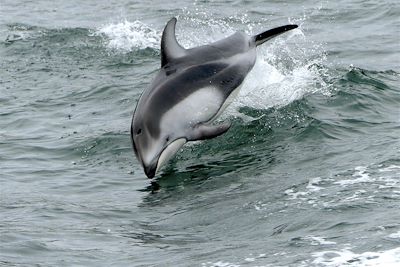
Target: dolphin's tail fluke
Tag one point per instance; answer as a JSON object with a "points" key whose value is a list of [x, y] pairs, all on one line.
{"points": [[265, 36]]}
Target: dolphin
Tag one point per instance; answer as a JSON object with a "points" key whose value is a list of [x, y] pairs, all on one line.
{"points": [[191, 89]]}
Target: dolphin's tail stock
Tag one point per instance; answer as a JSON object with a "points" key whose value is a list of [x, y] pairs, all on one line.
{"points": [[267, 35]]}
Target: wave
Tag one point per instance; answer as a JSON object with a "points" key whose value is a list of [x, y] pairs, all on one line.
{"points": [[290, 92]]}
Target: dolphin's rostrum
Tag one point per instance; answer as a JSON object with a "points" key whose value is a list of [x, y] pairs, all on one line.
{"points": [[191, 89]]}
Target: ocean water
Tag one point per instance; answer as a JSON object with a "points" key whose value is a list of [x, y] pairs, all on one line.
{"points": [[309, 174]]}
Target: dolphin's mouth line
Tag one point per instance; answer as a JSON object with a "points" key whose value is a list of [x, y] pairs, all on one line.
{"points": [[161, 158], [176, 145]]}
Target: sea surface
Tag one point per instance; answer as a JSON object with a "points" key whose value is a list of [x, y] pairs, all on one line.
{"points": [[308, 175]]}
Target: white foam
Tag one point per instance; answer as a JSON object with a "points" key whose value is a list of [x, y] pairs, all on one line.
{"points": [[390, 168], [128, 36], [317, 240], [259, 206], [312, 184], [374, 181], [395, 235], [295, 195], [390, 177], [219, 264], [361, 176], [345, 257], [311, 188], [387, 179]]}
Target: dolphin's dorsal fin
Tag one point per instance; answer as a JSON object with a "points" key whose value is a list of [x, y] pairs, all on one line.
{"points": [[170, 48]]}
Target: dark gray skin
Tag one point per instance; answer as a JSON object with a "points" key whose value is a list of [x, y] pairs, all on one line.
{"points": [[189, 92]]}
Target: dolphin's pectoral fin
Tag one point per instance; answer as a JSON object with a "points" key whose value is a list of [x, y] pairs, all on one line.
{"points": [[170, 48], [207, 131]]}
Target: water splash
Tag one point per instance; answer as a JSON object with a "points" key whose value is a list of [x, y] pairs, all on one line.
{"points": [[127, 36], [284, 73]]}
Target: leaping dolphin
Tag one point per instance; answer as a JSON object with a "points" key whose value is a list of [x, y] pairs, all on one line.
{"points": [[189, 92]]}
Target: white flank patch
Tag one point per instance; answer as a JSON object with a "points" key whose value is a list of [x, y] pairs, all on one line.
{"points": [[200, 106]]}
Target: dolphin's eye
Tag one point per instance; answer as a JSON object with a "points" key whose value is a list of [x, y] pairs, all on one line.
{"points": [[167, 139], [139, 131]]}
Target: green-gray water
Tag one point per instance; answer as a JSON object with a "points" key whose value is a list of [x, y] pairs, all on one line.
{"points": [[309, 174]]}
